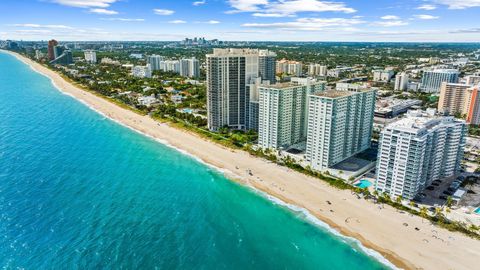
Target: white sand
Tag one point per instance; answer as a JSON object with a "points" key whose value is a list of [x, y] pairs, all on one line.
{"points": [[430, 247]]}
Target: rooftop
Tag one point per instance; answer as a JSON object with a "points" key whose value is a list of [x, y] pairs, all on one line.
{"points": [[334, 93], [417, 121]]}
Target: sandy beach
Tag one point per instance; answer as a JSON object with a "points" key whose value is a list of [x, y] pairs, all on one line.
{"points": [[407, 241]]}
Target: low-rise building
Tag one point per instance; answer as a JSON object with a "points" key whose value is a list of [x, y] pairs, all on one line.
{"points": [[142, 71], [390, 107]]}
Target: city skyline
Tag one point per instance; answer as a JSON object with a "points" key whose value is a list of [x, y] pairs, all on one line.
{"points": [[253, 20]]}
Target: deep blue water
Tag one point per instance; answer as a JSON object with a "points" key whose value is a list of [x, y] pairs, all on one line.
{"points": [[78, 191]]}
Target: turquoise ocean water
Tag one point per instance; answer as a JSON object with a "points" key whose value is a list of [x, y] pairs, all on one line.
{"points": [[78, 191]]}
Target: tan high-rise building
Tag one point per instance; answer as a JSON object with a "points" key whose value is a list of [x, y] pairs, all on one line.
{"points": [[460, 99]]}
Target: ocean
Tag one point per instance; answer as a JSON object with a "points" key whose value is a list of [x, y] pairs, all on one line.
{"points": [[79, 191]]}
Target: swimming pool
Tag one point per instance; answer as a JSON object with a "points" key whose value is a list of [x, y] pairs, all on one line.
{"points": [[477, 210], [364, 183]]}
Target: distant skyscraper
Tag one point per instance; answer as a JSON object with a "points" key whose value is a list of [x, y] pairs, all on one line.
{"points": [[51, 44], [339, 126], [283, 110], [190, 68], [58, 50], [229, 71], [155, 61], [65, 58], [267, 65], [90, 56], [317, 70], [401, 82], [417, 150], [432, 79]]}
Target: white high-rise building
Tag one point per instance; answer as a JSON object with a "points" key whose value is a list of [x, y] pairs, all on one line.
{"points": [[283, 109], [189, 67], [90, 56], [432, 79], [317, 70], [170, 66], [155, 61], [417, 150], [401, 82], [339, 126], [142, 71]]}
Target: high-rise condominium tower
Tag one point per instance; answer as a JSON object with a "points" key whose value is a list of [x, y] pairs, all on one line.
{"points": [[267, 65], [416, 150], [339, 126], [229, 71], [432, 79], [283, 110], [51, 45], [401, 82], [155, 61]]}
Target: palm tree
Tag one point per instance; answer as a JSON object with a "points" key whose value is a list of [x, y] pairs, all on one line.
{"points": [[449, 201], [398, 200], [411, 203], [423, 212]]}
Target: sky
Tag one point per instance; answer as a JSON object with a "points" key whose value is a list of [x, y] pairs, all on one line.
{"points": [[249, 20]]}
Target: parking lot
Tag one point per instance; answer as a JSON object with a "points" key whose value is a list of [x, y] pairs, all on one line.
{"points": [[438, 192]]}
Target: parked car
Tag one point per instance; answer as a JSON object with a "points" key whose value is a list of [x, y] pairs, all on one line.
{"points": [[430, 187], [449, 193], [443, 197], [435, 184]]}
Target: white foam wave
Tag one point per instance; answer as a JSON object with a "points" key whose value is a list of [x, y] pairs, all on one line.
{"points": [[355, 243]]}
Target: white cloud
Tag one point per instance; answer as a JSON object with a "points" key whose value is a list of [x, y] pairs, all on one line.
{"points": [[271, 15], [425, 17], [123, 19], [308, 24], [426, 7], [246, 5], [31, 31], [264, 8], [34, 25], [390, 23], [85, 3], [163, 12], [212, 22], [103, 11], [459, 4], [199, 3], [177, 22], [390, 17]]}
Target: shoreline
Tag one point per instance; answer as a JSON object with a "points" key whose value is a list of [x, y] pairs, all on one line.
{"points": [[381, 230]]}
